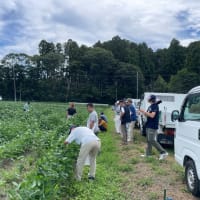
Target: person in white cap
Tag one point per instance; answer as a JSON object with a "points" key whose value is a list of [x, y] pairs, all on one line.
{"points": [[90, 146]]}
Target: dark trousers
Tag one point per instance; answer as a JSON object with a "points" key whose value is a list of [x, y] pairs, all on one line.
{"points": [[152, 141], [102, 128], [124, 132]]}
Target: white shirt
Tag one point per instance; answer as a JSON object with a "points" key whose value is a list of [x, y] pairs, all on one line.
{"points": [[82, 135], [26, 107], [122, 110], [93, 117]]}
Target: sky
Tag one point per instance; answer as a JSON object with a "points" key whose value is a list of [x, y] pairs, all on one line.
{"points": [[24, 23]]}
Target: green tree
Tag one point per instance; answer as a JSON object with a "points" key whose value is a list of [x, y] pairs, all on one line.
{"points": [[175, 59], [193, 57], [46, 47], [160, 85], [183, 81], [71, 49], [126, 80], [146, 63]]}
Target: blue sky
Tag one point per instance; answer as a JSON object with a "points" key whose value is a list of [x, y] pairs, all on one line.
{"points": [[24, 23]]}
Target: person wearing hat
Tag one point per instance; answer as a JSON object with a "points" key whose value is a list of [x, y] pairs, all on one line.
{"points": [[90, 146], [152, 115]]}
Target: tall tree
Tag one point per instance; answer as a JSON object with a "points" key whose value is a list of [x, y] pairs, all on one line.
{"points": [[193, 57], [175, 59], [46, 47], [146, 63], [160, 85], [183, 81]]}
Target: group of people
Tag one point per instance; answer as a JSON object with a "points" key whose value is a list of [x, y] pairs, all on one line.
{"points": [[125, 120], [94, 122], [87, 138]]}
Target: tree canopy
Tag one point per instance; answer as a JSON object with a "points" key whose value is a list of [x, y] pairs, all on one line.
{"points": [[105, 72]]}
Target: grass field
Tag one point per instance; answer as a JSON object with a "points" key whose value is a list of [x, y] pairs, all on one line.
{"points": [[34, 163]]}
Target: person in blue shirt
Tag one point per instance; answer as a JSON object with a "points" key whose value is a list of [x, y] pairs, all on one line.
{"points": [[103, 116], [152, 115], [125, 121], [133, 119]]}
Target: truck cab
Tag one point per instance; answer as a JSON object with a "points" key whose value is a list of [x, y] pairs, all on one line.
{"points": [[187, 139]]}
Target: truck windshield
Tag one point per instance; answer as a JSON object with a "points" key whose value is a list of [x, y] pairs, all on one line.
{"points": [[192, 107]]}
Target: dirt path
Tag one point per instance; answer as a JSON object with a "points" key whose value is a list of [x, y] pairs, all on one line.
{"points": [[146, 178]]}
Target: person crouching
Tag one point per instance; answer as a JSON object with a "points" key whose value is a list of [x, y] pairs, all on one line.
{"points": [[103, 125]]}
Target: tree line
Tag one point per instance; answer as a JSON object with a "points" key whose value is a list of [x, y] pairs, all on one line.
{"points": [[105, 72]]}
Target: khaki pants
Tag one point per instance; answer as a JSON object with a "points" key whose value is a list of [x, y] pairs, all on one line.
{"points": [[117, 124], [91, 149], [130, 131], [124, 130]]}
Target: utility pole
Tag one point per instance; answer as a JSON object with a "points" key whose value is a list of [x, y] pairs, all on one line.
{"points": [[14, 82]]}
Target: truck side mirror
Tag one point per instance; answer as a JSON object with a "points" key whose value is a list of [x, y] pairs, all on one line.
{"points": [[175, 115]]}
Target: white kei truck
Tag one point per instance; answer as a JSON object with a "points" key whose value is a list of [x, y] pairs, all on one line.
{"points": [[170, 102], [187, 139]]}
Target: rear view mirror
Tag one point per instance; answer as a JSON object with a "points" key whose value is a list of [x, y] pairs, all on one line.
{"points": [[175, 115]]}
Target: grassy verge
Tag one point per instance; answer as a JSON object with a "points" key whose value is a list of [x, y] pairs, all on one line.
{"points": [[107, 183]]}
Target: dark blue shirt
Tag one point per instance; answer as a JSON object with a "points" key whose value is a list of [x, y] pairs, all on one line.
{"points": [[133, 113], [153, 122], [126, 118]]}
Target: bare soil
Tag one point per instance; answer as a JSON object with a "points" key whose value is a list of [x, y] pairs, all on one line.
{"points": [[146, 178]]}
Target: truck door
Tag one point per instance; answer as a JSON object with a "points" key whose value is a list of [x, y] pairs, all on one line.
{"points": [[187, 140]]}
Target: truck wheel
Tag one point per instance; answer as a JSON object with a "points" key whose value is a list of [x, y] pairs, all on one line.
{"points": [[192, 181]]}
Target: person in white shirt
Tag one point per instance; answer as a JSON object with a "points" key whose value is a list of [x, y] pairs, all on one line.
{"points": [[90, 146], [117, 118], [26, 107], [92, 122]]}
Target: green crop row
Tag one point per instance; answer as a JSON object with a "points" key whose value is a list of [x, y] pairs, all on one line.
{"points": [[41, 131]]}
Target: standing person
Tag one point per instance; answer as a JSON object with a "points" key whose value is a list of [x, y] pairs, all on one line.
{"points": [[92, 122], [71, 111], [133, 119], [152, 115], [125, 121], [117, 118], [90, 147], [26, 107]]}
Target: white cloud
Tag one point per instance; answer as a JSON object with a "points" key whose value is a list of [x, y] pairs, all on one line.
{"points": [[155, 22]]}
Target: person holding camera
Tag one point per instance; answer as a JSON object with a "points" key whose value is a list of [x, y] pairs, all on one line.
{"points": [[152, 115]]}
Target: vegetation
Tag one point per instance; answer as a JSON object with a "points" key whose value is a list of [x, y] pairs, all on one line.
{"points": [[35, 164], [102, 73]]}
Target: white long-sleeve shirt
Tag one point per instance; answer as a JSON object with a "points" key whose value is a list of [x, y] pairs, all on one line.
{"points": [[82, 135]]}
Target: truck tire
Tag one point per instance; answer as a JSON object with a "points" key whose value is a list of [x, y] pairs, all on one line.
{"points": [[192, 181]]}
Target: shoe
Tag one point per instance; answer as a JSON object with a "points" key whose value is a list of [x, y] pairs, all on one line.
{"points": [[91, 178], [163, 156], [146, 156]]}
